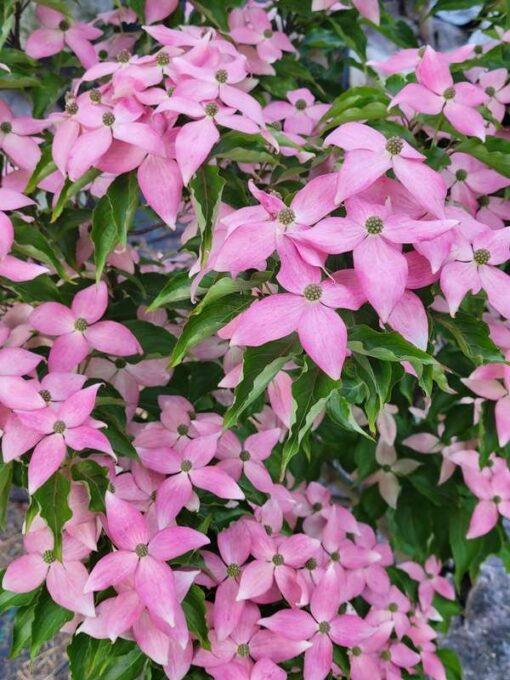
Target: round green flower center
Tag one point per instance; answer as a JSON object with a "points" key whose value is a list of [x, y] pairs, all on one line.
{"points": [[317, 507], [497, 499], [192, 415], [374, 225], [300, 105], [491, 91], [393, 607], [386, 656], [278, 560], [481, 256], [286, 216], [123, 57], [394, 145], [72, 108], [6, 127], [461, 175], [141, 550], [233, 570], [45, 395], [244, 456], [48, 556], [163, 59], [64, 25], [81, 325], [386, 468], [335, 556], [59, 427], [311, 564], [186, 465], [268, 33], [243, 650], [484, 201], [182, 430], [102, 54], [108, 119], [275, 125], [313, 292], [211, 109], [95, 96], [449, 93], [478, 49], [324, 627], [120, 363], [357, 651], [221, 76]]}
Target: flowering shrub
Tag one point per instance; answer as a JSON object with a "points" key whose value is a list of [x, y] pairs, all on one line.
{"points": [[280, 452]]}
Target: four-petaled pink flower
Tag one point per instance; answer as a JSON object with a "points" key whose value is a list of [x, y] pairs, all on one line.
{"points": [[491, 486], [429, 580], [300, 114], [236, 458], [492, 381], [79, 330]]}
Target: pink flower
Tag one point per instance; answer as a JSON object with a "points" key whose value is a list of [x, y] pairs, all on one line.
{"points": [[307, 308], [79, 330], [248, 458], [15, 392], [143, 557], [494, 84], [65, 578], [436, 93], [492, 381], [57, 32], [251, 26], [323, 627], [17, 143], [491, 486], [408, 59], [429, 580], [368, 155], [68, 424], [300, 114], [188, 467], [367, 8], [390, 469]]}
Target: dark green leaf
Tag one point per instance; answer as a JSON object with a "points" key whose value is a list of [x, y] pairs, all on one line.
{"points": [[206, 189], [5, 487], [155, 340], [471, 335], [9, 600], [176, 289], [53, 506], [49, 617], [195, 612], [495, 152], [95, 477], [70, 189]]}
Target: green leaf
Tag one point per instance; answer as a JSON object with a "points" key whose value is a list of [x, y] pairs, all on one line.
{"points": [[388, 346], [5, 487], [494, 152], [467, 553], [347, 25], [49, 617], [243, 148], [70, 189], [357, 103], [176, 289], [310, 394], [206, 189], [471, 335], [260, 366], [226, 286], [95, 477], [340, 411], [53, 506], [201, 326], [113, 217], [13, 81], [155, 340], [449, 5], [195, 612], [44, 167], [8, 599], [91, 659], [31, 242], [450, 662], [21, 630]]}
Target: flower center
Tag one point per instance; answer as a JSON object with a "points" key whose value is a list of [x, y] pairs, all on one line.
{"points": [[311, 564], [6, 127], [374, 225], [478, 49], [64, 25], [72, 108], [484, 201], [386, 468], [335, 556], [275, 125], [154, 495], [356, 651], [386, 656], [95, 96], [45, 395], [393, 607], [244, 456], [108, 119], [211, 109], [120, 363], [102, 54], [497, 499], [481, 256], [182, 430], [141, 550], [324, 627], [221, 76], [313, 292], [317, 507], [163, 59], [286, 216], [186, 465], [449, 93], [491, 91], [243, 650], [59, 427], [300, 105], [461, 175], [48, 556], [233, 570], [268, 33], [123, 57], [81, 325], [278, 560], [394, 145]]}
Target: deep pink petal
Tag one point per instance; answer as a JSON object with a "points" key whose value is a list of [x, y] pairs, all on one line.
{"points": [[46, 459], [154, 583], [126, 525], [111, 337]]}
